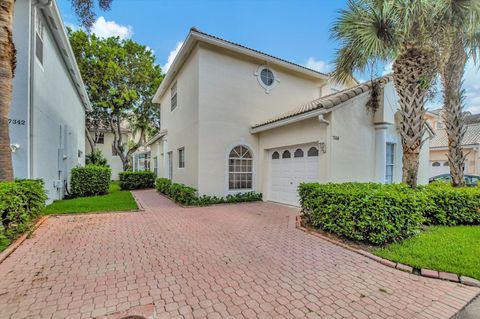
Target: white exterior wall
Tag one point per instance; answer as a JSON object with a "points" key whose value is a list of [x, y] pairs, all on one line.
{"points": [[231, 100], [113, 161]]}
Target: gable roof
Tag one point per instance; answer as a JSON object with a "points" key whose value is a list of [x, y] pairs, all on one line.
{"points": [[195, 36], [324, 103], [471, 137]]}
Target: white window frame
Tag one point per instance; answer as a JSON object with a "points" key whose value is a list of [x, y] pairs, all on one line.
{"points": [[181, 157], [227, 168], [173, 97], [390, 165], [40, 33], [155, 165], [170, 165], [258, 74]]}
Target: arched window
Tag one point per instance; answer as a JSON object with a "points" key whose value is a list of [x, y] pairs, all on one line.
{"points": [[298, 153], [240, 168], [435, 164], [275, 155], [313, 151], [445, 164], [286, 154]]}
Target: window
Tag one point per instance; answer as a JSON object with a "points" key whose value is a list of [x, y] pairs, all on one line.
{"points": [[173, 96], [170, 165], [99, 138], [286, 154], [313, 151], [240, 168], [39, 34], [435, 164], [181, 157], [267, 77], [389, 163], [275, 155], [446, 164], [298, 153]]}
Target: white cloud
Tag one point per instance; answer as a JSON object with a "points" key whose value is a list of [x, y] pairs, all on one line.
{"points": [[318, 65], [387, 68], [171, 57], [105, 29]]}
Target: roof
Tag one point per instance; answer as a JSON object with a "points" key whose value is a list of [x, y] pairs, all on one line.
{"points": [[156, 137], [326, 102], [471, 137], [195, 36], [57, 28], [472, 119]]}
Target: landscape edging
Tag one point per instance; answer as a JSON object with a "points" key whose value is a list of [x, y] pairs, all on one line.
{"points": [[424, 272]]}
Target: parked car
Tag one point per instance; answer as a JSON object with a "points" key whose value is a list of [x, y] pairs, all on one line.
{"points": [[470, 180]]}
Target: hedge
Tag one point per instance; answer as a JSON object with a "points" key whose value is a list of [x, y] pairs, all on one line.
{"points": [[187, 195], [90, 180], [21, 202], [136, 180], [367, 212]]}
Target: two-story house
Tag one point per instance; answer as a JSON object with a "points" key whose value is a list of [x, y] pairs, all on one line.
{"points": [[47, 117], [236, 119]]}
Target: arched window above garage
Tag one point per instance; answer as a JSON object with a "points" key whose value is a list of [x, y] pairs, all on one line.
{"points": [[313, 151], [275, 155], [286, 154], [298, 153]]}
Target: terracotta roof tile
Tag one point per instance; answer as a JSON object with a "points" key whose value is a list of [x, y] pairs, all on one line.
{"points": [[472, 136]]}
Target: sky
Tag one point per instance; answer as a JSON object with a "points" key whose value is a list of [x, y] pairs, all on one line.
{"points": [[295, 30]]}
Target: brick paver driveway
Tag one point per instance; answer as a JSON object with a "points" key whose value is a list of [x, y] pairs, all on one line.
{"points": [[241, 261]]}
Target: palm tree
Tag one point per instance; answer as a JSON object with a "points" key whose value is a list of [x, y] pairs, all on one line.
{"points": [[371, 31], [459, 21], [84, 10]]}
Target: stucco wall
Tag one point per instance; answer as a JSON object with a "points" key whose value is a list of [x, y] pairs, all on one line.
{"points": [[56, 105], [113, 161], [471, 161], [231, 100]]}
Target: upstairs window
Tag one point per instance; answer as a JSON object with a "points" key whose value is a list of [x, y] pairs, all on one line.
{"points": [[39, 37], [181, 157], [99, 138], [173, 96]]}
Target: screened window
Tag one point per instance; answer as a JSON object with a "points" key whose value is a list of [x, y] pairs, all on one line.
{"points": [[286, 154], [435, 164], [298, 153], [240, 168], [173, 96], [181, 157], [313, 151], [275, 155], [39, 31], [389, 163], [99, 138]]}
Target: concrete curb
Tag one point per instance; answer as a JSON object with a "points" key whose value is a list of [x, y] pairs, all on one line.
{"points": [[420, 272], [10, 249]]}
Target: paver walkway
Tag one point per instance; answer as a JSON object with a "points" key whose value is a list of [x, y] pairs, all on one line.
{"points": [[239, 261]]}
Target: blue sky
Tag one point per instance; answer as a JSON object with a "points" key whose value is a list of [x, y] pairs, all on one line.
{"points": [[295, 30]]}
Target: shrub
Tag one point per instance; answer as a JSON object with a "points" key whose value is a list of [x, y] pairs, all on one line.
{"points": [[91, 180], [96, 158], [452, 205], [136, 180], [367, 212], [20, 203], [187, 195]]}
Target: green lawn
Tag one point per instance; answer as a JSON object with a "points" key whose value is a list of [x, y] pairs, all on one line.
{"points": [[451, 249], [115, 200]]}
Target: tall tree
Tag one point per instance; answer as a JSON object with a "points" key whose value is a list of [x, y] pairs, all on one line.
{"points": [[400, 31], [84, 10], [121, 77], [459, 21]]}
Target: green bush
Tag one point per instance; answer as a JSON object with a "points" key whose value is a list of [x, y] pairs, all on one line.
{"points": [[136, 180], [96, 158], [91, 180], [187, 195], [368, 212], [452, 205], [21, 202]]}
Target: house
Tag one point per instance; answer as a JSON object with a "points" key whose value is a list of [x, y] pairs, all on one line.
{"points": [[235, 119], [439, 144], [102, 139], [146, 158], [47, 117]]}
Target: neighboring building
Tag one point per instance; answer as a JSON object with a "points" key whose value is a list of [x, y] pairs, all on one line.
{"points": [[235, 120], [47, 117], [439, 144], [104, 142], [147, 157]]}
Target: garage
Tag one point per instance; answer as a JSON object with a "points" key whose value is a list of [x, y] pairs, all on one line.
{"points": [[289, 167]]}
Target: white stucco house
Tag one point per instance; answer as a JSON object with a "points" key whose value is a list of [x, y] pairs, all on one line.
{"points": [[235, 119], [47, 117]]}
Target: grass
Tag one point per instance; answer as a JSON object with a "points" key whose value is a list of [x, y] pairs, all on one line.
{"points": [[115, 200], [450, 249]]}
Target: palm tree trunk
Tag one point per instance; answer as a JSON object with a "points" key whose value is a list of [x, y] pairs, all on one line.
{"points": [[7, 68], [451, 74], [413, 71]]}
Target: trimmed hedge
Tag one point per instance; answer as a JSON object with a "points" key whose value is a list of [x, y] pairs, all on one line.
{"points": [[187, 195], [90, 180], [368, 212], [21, 202], [136, 180]]}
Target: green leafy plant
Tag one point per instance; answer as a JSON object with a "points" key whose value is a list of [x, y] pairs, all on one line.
{"points": [[96, 158], [91, 180], [136, 180]]}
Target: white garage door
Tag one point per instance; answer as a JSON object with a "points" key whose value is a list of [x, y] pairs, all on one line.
{"points": [[442, 167], [288, 168]]}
